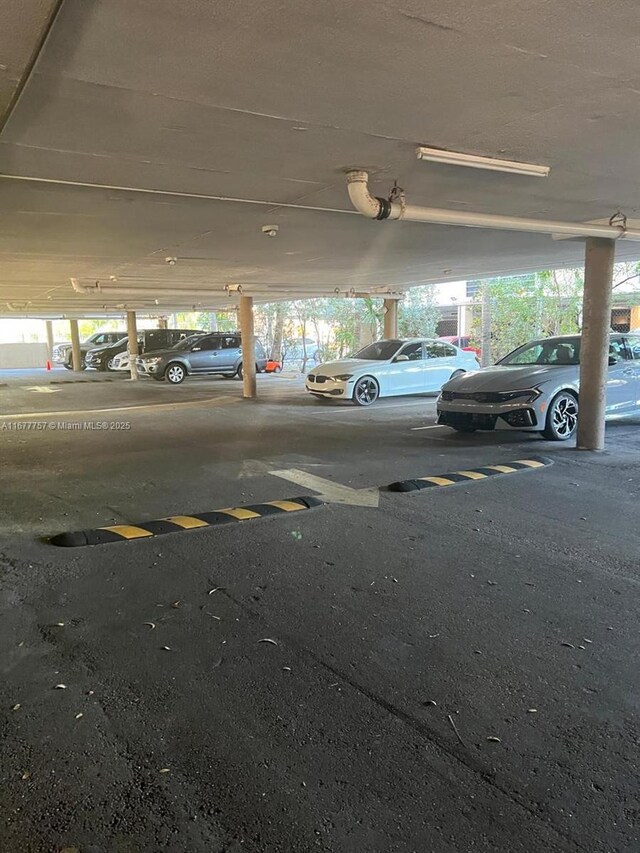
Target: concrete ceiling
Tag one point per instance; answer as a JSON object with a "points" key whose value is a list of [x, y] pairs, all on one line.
{"points": [[271, 101]]}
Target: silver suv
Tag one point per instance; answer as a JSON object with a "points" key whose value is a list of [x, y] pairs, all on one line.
{"points": [[220, 353]]}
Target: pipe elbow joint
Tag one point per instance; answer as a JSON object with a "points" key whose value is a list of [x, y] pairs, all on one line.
{"points": [[368, 205]]}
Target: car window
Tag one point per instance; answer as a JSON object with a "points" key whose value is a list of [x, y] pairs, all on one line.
{"points": [[229, 342], [100, 339], [633, 345], [439, 350], [618, 350], [379, 351], [555, 351], [207, 343], [462, 342], [412, 351]]}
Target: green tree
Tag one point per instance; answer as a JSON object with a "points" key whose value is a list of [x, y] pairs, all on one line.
{"points": [[418, 313]]}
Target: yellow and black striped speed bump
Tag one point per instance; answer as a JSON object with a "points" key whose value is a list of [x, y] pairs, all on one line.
{"points": [[176, 523], [470, 475]]}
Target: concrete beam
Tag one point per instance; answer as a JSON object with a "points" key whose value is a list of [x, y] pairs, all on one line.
{"points": [[76, 352], [24, 27], [245, 314], [594, 349], [390, 318], [132, 333], [50, 341]]}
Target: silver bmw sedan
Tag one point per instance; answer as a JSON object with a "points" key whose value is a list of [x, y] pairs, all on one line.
{"points": [[535, 388]]}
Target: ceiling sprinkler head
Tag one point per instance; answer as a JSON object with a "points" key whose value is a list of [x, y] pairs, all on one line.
{"points": [[270, 230], [171, 261]]}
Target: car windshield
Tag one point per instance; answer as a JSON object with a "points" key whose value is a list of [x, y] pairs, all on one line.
{"points": [[379, 351], [553, 352]]}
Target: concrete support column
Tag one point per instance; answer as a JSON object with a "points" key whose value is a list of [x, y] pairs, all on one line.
{"points": [[76, 352], [49, 325], [390, 318], [485, 344], [162, 323], [594, 349], [132, 333], [245, 312]]}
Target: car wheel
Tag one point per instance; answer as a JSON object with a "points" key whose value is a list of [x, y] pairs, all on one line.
{"points": [[562, 417], [239, 374], [108, 366], [277, 370], [175, 373], [366, 391], [457, 373], [68, 366], [157, 377]]}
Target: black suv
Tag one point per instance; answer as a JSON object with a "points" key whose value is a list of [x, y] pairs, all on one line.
{"points": [[220, 352], [149, 340]]}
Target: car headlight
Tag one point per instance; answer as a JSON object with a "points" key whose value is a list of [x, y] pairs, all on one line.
{"points": [[343, 377], [529, 394], [152, 360]]}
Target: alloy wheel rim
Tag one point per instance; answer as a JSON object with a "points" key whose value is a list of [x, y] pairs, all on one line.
{"points": [[367, 391], [175, 374], [565, 416]]}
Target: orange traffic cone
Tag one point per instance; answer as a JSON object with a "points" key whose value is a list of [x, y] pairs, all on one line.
{"points": [[48, 365]]}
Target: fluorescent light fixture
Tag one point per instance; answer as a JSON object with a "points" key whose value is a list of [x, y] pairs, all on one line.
{"points": [[453, 158]]}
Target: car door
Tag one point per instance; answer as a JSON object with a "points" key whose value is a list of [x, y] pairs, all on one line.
{"points": [[621, 379], [228, 354], [203, 355], [404, 375], [441, 361]]}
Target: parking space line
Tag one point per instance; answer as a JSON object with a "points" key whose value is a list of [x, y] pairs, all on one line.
{"points": [[471, 475], [225, 400], [181, 523]]}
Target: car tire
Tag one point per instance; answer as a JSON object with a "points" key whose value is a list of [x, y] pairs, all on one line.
{"points": [[175, 373], [562, 417], [68, 366], [366, 391], [277, 370], [157, 377], [456, 373], [108, 365]]}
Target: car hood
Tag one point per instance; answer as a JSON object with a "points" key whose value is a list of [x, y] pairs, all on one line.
{"points": [[512, 378], [162, 353], [102, 348], [345, 365]]}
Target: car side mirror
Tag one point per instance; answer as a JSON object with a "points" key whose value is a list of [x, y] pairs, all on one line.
{"points": [[401, 358], [612, 360]]}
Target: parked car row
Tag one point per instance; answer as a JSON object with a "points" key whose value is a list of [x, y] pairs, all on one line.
{"points": [[535, 388]]}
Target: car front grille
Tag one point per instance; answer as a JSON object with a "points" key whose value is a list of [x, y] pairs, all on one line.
{"points": [[475, 396], [319, 380]]}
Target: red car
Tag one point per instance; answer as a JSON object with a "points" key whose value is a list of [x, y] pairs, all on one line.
{"points": [[273, 366], [464, 342]]}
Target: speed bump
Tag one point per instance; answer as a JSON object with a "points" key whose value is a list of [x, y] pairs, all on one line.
{"points": [[471, 475], [176, 523]]}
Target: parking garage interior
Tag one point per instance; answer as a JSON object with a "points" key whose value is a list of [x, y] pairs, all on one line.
{"points": [[449, 668]]}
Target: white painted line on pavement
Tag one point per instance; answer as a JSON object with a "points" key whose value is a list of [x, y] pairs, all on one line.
{"points": [[433, 426], [328, 490], [154, 406]]}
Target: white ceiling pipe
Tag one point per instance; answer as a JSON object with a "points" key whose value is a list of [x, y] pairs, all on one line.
{"points": [[380, 208]]}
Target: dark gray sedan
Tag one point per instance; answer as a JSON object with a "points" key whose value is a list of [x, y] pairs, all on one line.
{"points": [[535, 388], [219, 353]]}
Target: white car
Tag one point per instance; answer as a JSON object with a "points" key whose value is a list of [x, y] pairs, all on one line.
{"points": [[390, 368], [120, 361]]}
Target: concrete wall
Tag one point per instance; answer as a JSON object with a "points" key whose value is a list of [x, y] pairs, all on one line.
{"points": [[23, 355]]}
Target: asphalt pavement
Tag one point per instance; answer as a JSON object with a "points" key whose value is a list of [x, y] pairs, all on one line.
{"points": [[449, 670]]}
